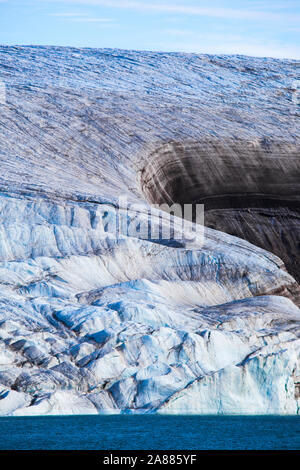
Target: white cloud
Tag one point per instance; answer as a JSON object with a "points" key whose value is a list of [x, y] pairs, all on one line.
{"points": [[67, 15], [104, 21], [82, 18], [189, 41], [225, 13]]}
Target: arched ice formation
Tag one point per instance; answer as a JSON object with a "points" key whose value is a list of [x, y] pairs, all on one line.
{"points": [[249, 189], [93, 322]]}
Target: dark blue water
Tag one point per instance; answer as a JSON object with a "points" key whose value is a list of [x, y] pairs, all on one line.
{"points": [[150, 432]]}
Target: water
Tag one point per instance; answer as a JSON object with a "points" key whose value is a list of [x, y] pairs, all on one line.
{"points": [[150, 432]]}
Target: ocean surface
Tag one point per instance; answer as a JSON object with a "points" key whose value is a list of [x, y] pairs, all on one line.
{"points": [[150, 432]]}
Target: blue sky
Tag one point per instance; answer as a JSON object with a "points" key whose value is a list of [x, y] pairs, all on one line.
{"points": [[260, 28]]}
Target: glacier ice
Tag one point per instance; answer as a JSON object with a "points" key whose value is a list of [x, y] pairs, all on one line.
{"points": [[94, 323]]}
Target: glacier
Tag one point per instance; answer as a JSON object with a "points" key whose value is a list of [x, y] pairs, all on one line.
{"points": [[91, 322]]}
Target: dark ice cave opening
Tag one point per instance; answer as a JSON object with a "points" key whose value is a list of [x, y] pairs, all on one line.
{"points": [[249, 189]]}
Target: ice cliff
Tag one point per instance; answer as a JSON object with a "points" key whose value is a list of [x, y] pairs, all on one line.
{"points": [[91, 322]]}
